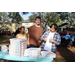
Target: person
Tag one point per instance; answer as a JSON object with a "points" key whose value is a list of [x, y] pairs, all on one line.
{"points": [[22, 35], [50, 39], [35, 32], [68, 41], [68, 35]]}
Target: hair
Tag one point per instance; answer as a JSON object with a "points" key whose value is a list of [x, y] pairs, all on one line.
{"points": [[38, 17], [22, 27], [55, 26]]}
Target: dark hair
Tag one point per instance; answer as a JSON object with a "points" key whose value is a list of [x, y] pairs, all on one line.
{"points": [[38, 17], [55, 26], [22, 27]]}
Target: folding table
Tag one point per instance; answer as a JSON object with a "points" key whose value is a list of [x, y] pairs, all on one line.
{"points": [[7, 56]]}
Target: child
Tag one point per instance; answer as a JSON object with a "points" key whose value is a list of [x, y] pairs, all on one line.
{"points": [[22, 35]]}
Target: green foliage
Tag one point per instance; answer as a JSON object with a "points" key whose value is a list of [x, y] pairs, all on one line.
{"points": [[67, 16], [51, 17], [15, 16], [48, 17], [32, 18], [58, 29], [3, 17], [10, 17]]}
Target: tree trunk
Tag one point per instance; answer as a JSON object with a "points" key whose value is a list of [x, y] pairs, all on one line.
{"points": [[4, 25]]}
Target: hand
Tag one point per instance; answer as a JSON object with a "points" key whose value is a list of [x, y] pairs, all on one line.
{"points": [[45, 39], [28, 35], [51, 40], [28, 43], [28, 40], [40, 47]]}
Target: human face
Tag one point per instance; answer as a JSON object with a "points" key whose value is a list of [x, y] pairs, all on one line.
{"points": [[22, 30], [37, 21], [52, 29]]}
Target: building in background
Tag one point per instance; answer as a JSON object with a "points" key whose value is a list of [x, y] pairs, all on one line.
{"points": [[66, 26], [12, 27], [27, 24]]}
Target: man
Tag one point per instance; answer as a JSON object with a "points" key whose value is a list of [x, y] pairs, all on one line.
{"points": [[50, 39], [35, 32]]}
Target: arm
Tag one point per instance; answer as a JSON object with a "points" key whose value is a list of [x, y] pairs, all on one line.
{"points": [[55, 42], [27, 38], [58, 40], [44, 37], [39, 39], [17, 36]]}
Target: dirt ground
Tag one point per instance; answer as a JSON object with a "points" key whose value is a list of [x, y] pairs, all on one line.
{"points": [[65, 54]]}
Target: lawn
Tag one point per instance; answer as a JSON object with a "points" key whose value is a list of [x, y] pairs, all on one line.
{"points": [[5, 40]]}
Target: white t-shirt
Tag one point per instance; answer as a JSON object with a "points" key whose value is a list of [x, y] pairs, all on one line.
{"points": [[48, 44]]}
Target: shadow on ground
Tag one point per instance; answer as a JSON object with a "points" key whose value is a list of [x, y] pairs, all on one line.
{"points": [[67, 54]]}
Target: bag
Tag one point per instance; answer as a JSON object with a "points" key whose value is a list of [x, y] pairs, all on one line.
{"points": [[48, 54], [4, 48]]}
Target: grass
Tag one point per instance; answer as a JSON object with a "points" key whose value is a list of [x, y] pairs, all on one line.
{"points": [[5, 39], [59, 59]]}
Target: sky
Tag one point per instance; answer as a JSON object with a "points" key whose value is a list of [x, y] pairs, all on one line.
{"points": [[25, 17]]}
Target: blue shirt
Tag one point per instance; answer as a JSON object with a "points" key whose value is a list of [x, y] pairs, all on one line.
{"points": [[69, 37], [56, 37]]}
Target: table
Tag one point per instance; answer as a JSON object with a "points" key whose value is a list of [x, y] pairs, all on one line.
{"points": [[7, 56]]}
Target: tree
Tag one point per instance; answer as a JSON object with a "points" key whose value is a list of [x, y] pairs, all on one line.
{"points": [[67, 16], [15, 17], [41, 14], [52, 17], [47, 18], [24, 13], [32, 18], [11, 17], [3, 18]]}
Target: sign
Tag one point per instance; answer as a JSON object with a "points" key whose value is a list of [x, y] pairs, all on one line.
{"points": [[28, 24]]}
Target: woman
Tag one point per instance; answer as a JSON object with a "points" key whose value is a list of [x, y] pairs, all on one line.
{"points": [[22, 35], [51, 39]]}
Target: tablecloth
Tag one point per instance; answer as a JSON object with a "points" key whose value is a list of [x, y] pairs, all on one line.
{"points": [[7, 56]]}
